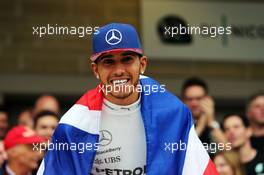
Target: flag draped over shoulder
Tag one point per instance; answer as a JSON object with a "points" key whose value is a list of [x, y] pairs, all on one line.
{"points": [[173, 147]]}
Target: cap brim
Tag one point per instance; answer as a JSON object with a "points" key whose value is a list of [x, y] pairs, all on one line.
{"points": [[95, 56]]}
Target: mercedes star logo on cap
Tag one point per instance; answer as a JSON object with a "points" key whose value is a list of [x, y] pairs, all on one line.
{"points": [[113, 37]]}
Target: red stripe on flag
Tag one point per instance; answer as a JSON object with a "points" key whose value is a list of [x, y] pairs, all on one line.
{"points": [[210, 169], [93, 99]]}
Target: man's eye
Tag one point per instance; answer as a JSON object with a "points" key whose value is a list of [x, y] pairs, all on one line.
{"points": [[43, 127], [108, 62], [127, 60]]}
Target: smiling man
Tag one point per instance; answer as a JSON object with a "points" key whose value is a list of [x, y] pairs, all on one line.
{"points": [[119, 73], [130, 124]]}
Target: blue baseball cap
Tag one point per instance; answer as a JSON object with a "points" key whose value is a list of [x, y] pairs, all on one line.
{"points": [[115, 37]]}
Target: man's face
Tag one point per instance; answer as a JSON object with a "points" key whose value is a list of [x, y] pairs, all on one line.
{"points": [[119, 73], [46, 125], [236, 133], [256, 111], [25, 156], [3, 124], [192, 98]]}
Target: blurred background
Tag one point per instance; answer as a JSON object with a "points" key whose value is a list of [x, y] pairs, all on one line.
{"points": [[59, 65]]}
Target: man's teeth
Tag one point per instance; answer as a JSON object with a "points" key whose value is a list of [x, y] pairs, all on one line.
{"points": [[119, 82]]}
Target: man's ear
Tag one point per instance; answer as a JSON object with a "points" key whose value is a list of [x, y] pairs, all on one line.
{"points": [[143, 64], [94, 67]]}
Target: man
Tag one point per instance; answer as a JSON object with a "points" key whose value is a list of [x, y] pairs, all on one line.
{"points": [[45, 123], [25, 118], [22, 156], [255, 114], [46, 102], [137, 119], [238, 133], [195, 95], [3, 124]]}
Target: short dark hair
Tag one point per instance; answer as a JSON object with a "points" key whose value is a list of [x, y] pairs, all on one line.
{"points": [[253, 97], [43, 114], [194, 81], [242, 117], [100, 58]]}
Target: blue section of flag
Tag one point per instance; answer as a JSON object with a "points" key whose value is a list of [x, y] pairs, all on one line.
{"points": [[166, 120], [72, 161]]}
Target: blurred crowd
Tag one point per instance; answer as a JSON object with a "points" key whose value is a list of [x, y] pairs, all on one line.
{"points": [[235, 143], [18, 152]]}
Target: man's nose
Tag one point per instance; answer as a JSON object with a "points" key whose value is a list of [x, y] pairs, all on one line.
{"points": [[232, 132], [119, 70], [194, 102]]}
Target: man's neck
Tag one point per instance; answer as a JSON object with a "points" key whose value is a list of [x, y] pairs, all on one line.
{"points": [[18, 169], [258, 130], [123, 101], [246, 152]]}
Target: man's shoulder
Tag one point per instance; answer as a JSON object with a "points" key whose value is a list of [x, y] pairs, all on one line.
{"points": [[166, 106], [92, 99], [260, 156], [258, 143], [255, 166], [158, 93]]}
